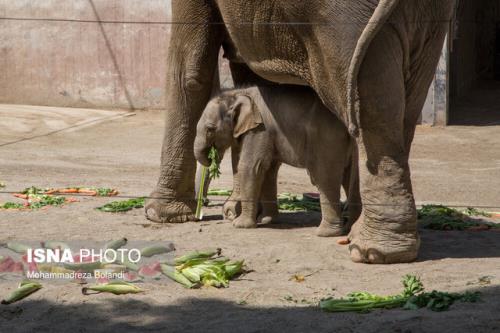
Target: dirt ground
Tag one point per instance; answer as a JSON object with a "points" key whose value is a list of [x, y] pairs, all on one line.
{"points": [[456, 165]]}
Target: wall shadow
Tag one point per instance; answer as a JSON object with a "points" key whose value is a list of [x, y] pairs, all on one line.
{"points": [[140, 314]]}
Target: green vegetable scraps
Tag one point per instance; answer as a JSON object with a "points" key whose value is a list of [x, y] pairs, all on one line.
{"points": [[35, 199], [122, 206], [25, 289], [12, 205], [413, 297], [439, 217], [294, 203], [197, 269], [219, 192]]}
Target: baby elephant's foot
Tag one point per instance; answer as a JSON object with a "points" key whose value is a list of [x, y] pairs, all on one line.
{"points": [[244, 222], [267, 217], [327, 229]]}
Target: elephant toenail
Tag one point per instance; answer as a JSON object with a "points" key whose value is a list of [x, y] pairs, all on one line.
{"points": [[356, 254], [375, 257]]}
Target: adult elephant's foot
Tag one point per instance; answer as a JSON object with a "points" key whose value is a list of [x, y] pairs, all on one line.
{"points": [[169, 210], [378, 246], [243, 222], [231, 209], [327, 229]]}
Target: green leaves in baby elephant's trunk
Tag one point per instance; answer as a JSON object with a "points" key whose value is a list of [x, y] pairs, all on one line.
{"points": [[214, 168], [413, 297], [213, 172], [207, 268]]}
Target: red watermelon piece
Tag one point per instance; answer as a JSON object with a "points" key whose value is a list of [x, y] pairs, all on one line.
{"points": [[152, 270], [6, 264]]}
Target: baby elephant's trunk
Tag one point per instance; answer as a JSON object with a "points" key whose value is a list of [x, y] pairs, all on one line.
{"points": [[201, 149]]}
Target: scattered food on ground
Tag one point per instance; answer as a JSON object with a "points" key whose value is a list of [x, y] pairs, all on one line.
{"points": [[92, 191], [439, 217], [115, 287], [343, 241], [292, 299], [483, 280], [219, 192], [198, 269], [413, 297], [25, 289], [297, 278], [122, 205], [289, 202], [302, 277], [36, 198]]}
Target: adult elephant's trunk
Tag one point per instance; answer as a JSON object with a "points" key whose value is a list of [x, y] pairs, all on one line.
{"points": [[379, 18]]}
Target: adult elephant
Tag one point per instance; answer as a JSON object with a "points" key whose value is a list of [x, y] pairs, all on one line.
{"points": [[372, 61]]}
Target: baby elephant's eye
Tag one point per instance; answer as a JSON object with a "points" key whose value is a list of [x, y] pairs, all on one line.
{"points": [[210, 131]]}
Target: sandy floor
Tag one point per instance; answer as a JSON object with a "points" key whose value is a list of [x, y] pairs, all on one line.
{"points": [[456, 165]]}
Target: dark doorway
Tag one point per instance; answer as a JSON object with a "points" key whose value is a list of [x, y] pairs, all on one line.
{"points": [[475, 64]]}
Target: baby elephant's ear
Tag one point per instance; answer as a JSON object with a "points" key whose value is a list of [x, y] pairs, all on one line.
{"points": [[245, 114]]}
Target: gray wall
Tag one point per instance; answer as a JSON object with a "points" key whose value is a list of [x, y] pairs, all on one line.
{"points": [[78, 64]]}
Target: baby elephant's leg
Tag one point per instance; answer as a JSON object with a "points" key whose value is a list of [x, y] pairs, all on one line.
{"points": [[269, 195], [329, 183], [232, 207], [250, 182]]}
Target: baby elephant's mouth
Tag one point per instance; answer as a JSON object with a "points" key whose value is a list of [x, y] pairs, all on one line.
{"points": [[202, 156]]}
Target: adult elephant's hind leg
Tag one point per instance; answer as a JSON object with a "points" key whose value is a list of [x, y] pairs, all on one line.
{"points": [[387, 231], [192, 61]]}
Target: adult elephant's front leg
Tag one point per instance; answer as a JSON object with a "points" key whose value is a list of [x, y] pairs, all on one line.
{"points": [[387, 231], [192, 60]]}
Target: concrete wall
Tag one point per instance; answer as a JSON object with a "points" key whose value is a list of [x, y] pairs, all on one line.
{"points": [[473, 47], [84, 64]]}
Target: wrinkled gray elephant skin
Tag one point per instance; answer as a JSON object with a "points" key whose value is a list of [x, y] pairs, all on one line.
{"points": [[267, 126], [369, 61]]}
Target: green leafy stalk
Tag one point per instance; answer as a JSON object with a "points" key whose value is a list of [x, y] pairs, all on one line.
{"points": [[199, 203], [122, 206], [219, 192], [412, 297]]}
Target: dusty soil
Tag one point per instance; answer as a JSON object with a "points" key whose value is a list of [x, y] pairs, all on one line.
{"points": [[456, 165]]}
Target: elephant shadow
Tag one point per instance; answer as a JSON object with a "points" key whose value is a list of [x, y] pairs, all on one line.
{"points": [[294, 220], [437, 245]]}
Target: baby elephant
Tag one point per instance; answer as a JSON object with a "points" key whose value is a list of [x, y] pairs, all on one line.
{"points": [[267, 126]]}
